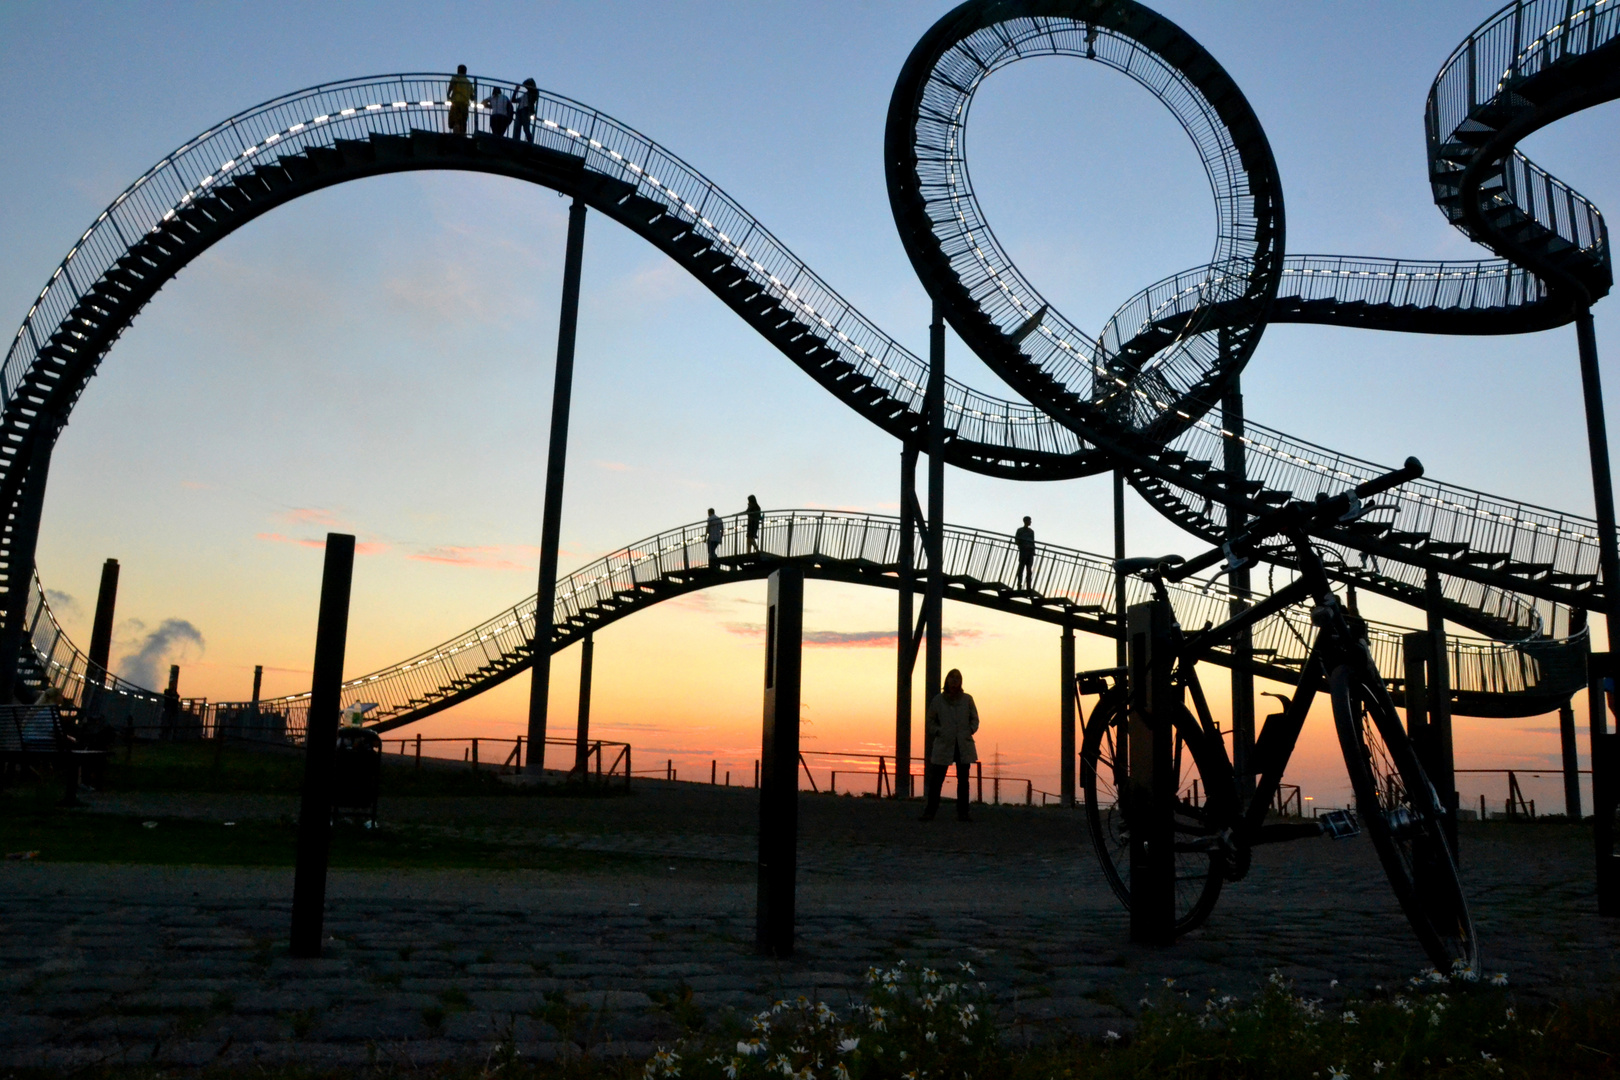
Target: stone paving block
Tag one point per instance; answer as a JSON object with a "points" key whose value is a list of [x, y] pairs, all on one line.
{"points": [[21, 1029], [500, 969], [309, 968], [123, 1028], [69, 1004], [168, 1001], [610, 999], [276, 1001], [370, 1024]]}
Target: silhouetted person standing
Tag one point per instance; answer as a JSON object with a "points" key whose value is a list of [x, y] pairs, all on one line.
{"points": [[460, 96], [527, 98], [1025, 538], [949, 725], [755, 516], [715, 533], [500, 112]]}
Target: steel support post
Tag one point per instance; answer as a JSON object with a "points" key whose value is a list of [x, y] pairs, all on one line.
{"points": [[906, 654], [1605, 784], [1236, 468], [1123, 636], [1439, 760], [1572, 761], [1597, 442], [779, 764], [1151, 780], [556, 458], [24, 540], [934, 603], [1066, 747], [320, 746], [582, 734]]}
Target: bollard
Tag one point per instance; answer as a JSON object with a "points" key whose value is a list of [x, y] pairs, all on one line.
{"points": [[320, 739], [1151, 780], [418, 752], [475, 755], [713, 766], [779, 775]]}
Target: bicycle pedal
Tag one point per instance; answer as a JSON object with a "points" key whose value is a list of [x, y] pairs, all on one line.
{"points": [[1339, 825]]}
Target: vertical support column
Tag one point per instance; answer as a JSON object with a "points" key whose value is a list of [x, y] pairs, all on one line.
{"points": [[556, 458], [1605, 788], [1124, 635], [1066, 747], [1440, 763], [1151, 782], [779, 765], [1572, 761], [582, 736], [934, 604], [1236, 468], [1597, 441], [906, 658], [320, 746], [24, 540]]}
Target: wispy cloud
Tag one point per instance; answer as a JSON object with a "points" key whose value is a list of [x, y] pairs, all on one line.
{"points": [[484, 557], [612, 466], [310, 515], [361, 547], [848, 639], [196, 485]]}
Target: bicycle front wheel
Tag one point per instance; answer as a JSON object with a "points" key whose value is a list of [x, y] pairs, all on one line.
{"points": [[1401, 814], [1200, 856]]}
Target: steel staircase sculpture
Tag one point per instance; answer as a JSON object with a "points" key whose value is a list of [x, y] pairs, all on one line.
{"points": [[1074, 587], [1135, 396], [1139, 390]]}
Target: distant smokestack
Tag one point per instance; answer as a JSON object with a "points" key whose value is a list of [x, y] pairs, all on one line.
{"points": [[174, 679]]}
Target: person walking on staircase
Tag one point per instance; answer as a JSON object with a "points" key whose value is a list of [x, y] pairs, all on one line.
{"points": [[713, 534], [1025, 539], [755, 516], [524, 103], [949, 726], [460, 96], [500, 112]]}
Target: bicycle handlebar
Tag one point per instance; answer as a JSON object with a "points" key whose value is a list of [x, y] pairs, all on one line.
{"points": [[1298, 514]]}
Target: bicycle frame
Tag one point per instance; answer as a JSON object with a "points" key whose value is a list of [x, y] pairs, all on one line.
{"points": [[1275, 743]]}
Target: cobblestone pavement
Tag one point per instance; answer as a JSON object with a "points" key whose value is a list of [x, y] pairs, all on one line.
{"points": [[188, 965]]}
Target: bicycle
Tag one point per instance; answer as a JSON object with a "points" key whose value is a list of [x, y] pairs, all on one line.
{"points": [[1216, 824]]}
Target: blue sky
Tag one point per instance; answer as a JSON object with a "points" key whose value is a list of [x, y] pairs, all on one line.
{"points": [[378, 357]]}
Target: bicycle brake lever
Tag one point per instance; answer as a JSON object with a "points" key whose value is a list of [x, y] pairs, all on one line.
{"points": [[1357, 508], [1233, 560]]}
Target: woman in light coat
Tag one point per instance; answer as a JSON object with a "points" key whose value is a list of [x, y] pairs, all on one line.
{"points": [[949, 725]]}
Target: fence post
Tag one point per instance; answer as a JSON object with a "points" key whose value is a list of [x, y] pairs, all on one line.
{"points": [[779, 776], [320, 745], [1151, 781], [475, 755], [978, 771], [582, 733], [418, 751]]}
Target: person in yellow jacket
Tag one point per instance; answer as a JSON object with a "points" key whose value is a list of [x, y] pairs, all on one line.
{"points": [[460, 96], [949, 726]]}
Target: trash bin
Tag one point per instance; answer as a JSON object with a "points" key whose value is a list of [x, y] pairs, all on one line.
{"points": [[356, 774]]}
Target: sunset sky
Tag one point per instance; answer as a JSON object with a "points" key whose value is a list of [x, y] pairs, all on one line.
{"points": [[377, 358]]}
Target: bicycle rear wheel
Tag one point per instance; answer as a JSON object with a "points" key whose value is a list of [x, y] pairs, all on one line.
{"points": [[1200, 856], [1401, 813]]}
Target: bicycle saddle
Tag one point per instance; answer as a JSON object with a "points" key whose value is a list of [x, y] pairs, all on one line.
{"points": [[1141, 562]]}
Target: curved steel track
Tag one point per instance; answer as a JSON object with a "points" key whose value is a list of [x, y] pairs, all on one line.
{"points": [[1135, 396]]}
